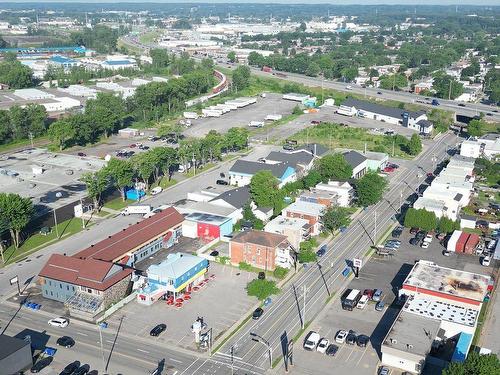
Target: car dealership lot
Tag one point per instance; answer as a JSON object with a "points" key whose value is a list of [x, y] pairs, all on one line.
{"points": [[387, 273]]}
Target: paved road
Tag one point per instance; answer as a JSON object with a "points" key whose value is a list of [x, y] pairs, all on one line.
{"points": [[285, 315]]}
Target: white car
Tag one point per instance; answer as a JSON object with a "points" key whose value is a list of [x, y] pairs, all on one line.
{"points": [[311, 340], [59, 322], [156, 190], [486, 261], [341, 336], [348, 87], [428, 238], [362, 302], [323, 344], [425, 245]]}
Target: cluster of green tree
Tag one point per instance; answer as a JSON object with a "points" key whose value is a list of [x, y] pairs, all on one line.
{"points": [[492, 85], [471, 70], [100, 38], [15, 214], [488, 171], [79, 74], [369, 189], [182, 24], [447, 87], [18, 123], [240, 78], [15, 74], [151, 166], [249, 217], [262, 288], [427, 220], [477, 127], [393, 82], [475, 364]]}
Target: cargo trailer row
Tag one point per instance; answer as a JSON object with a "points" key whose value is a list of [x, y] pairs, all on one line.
{"points": [[219, 109], [462, 242]]}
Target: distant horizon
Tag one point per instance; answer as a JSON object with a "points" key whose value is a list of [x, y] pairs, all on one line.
{"points": [[278, 2]]}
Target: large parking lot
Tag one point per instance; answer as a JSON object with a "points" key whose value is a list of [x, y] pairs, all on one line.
{"points": [[272, 104], [221, 303], [382, 273]]}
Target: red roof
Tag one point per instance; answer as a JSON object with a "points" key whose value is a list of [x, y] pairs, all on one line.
{"points": [[89, 273], [117, 245], [92, 267]]}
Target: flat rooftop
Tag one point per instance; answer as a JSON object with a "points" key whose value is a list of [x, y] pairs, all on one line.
{"points": [[433, 309], [412, 333], [448, 281]]}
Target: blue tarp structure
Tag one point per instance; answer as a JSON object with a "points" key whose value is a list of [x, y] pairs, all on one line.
{"points": [[462, 348], [135, 195]]}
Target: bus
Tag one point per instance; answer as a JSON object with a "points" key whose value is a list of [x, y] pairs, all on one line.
{"points": [[350, 300]]}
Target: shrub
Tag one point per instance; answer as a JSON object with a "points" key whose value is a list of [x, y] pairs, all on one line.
{"points": [[245, 266], [280, 272], [262, 288]]}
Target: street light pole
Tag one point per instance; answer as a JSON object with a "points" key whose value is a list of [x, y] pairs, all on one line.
{"points": [[261, 340], [304, 291], [102, 349], [55, 221]]}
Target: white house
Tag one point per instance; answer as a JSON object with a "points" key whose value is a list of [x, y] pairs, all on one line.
{"points": [[358, 162], [439, 207], [242, 172], [343, 189], [295, 229]]}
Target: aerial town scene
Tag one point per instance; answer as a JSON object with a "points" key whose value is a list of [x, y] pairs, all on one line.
{"points": [[249, 187]]}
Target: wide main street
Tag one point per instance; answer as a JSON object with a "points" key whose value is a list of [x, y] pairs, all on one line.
{"points": [[285, 315]]}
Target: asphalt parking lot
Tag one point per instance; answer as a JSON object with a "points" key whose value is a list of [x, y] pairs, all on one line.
{"points": [[381, 273], [221, 303], [272, 104]]}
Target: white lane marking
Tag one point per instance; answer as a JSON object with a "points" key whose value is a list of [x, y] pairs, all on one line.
{"points": [[81, 333], [175, 360], [142, 351]]}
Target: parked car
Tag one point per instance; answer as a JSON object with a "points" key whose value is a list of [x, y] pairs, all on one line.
{"points": [[379, 92], [388, 170], [332, 350], [65, 341], [384, 371], [414, 241], [156, 190], [362, 302], [157, 330], [69, 369], [41, 364], [59, 322], [441, 236], [351, 337], [222, 182], [323, 345], [257, 313], [369, 293], [341, 336], [428, 238], [425, 245], [311, 340], [486, 261], [396, 233], [315, 122], [82, 370], [421, 235], [82, 154], [261, 275], [413, 230], [214, 253], [377, 295], [321, 251], [380, 306], [362, 340]]}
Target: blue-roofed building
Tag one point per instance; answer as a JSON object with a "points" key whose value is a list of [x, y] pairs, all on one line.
{"points": [[172, 277], [64, 62], [242, 172], [462, 347]]}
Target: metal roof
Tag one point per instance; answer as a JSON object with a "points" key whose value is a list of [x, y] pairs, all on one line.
{"points": [[252, 167], [380, 109], [354, 158], [235, 197]]}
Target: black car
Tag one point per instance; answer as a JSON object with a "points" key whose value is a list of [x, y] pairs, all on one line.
{"points": [[332, 350], [414, 241], [257, 313], [82, 370], [351, 338], [65, 341], [421, 235], [262, 275], [69, 369], [362, 340], [41, 364], [397, 232], [379, 92], [214, 253], [320, 252], [156, 331], [461, 104], [222, 182]]}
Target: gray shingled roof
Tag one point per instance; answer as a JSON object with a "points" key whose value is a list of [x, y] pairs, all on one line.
{"points": [[354, 158], [252, 167], [235, 197], [320, 150], [425, 123], [302, 158], [380, 109]]}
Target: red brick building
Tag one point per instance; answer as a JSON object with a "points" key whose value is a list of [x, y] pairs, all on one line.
{"points": [[262, 250]]}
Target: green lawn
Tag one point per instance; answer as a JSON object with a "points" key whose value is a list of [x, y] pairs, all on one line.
{"points": [[23, 143], [36, 241], [335, 136], [149, 37], [118, 204], [166, 183]]}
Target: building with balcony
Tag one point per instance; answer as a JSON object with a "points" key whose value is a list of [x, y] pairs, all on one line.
{"points": [[295, 230]]}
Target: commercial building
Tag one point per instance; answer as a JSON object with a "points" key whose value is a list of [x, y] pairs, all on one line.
{"points": [[376, 161], [90, 279], [262, 250], [63, 62], [15, 355], [242, 172], [438, 320], [312, 212], [343, 189], [206, 226], [324, 197], [487, 146], [178, 273], [358, 162], [410, 119], [296, 230]]}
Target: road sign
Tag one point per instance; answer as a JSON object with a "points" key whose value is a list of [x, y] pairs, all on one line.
{"points": [[14, 280], [357, 262]]}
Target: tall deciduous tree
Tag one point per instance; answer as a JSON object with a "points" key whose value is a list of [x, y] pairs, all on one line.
{"points": [[421, 218], [414, 145], [334, 167], [231, 56], [475, 364], [107, 110], [16, 212], [61, 132], [121, 174], [370, 189], [241, 77], [264, 190], [335, 217], [97, 183]]}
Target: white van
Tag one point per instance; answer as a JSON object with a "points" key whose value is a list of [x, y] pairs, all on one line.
{"points": [[362, 302], [311, 341]]}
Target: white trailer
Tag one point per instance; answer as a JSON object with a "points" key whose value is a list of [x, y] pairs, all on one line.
{"points": [[296, 97], [211, 112], [231, 105], [256, 124], [273, 117], [190, 115], [221, 107], [225, 107], [452, 242], [144, 209]]}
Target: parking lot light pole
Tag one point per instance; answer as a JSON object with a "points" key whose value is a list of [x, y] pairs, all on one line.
{"points": [[304, 292], [261, 340]]}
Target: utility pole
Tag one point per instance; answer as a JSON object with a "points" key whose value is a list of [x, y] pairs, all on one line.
{"points": [[30, 135], [261, 340], [232, 360], [102, 349], [55, 221], [83, 220], [375, 228], [393, 81], [304, 291], [393, 144], [449, 90], [400, 200]]}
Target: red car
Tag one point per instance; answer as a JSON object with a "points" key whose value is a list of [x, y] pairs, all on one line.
{"points": [[133, 145], [315, 122], [430, 174], [369, 293], [388, 169]]}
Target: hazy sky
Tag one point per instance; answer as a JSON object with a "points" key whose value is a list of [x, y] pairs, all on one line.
{"points": [[340, 2]]}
